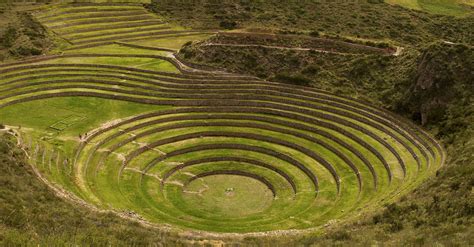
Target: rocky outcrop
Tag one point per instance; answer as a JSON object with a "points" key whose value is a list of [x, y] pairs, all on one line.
{"points": [[444, 76]]}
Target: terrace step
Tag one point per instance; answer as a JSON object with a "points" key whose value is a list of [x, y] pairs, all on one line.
{"points": [[94, 21], [108, 26], [85, 16], [116, 31]]}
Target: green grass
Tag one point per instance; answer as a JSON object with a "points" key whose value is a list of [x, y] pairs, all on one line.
{"points": [[74, 36], [117, 49], [90, 112], [98, 185], [442, 7], [143, 63], [412, 4], [102, 184]]}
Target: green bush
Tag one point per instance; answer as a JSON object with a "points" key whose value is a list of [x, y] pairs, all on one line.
{"points": [[314, 34], [341, 235], [227, 24], [26, 51], [297, 79], [311, 70], [9, 37]]}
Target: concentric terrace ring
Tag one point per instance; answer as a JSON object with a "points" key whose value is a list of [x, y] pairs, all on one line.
{"points": [[229, 153]]}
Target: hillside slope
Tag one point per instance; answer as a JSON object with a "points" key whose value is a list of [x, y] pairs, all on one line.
{"points": [[442, 7], [354, 19], [32, 214], [21, 35]]}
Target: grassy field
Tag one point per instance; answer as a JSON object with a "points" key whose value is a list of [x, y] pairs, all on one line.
{"points": [[441, 7], [228, 196]]}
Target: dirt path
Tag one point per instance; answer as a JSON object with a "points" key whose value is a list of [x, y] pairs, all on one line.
{"points": [[397, 52], [277, 47]]}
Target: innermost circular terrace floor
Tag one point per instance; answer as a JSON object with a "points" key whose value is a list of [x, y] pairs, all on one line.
{"points": [[230, 196]]}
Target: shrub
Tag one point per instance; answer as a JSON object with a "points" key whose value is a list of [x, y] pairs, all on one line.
{"points": [[375, 1], [314, 34], [26, 51], [396, 226], [227, 24], [383, 45], [341, 235], [9, 37], [297, 79], [311, 70]]}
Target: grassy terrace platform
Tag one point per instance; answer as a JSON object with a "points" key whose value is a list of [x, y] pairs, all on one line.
{"points": [[87, 25], [127, 127], [444, 7]]}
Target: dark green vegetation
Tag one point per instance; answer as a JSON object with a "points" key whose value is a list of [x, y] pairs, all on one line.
{"points": [[410, 83], [363, 20], [20, 35], [195, 131]]}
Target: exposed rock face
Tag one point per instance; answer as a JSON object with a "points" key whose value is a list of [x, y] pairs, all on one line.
{"points": [[445, 74]]}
